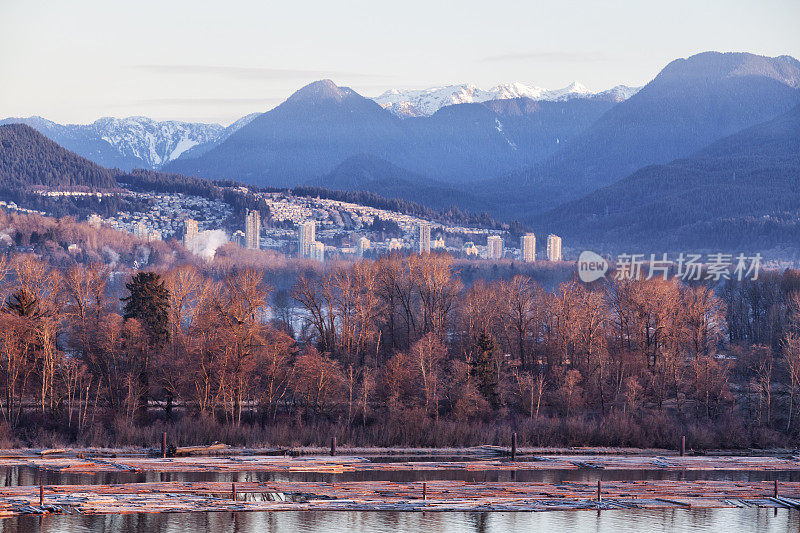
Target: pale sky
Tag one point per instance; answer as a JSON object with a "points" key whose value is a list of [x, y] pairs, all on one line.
{"points": [[215, 61]]}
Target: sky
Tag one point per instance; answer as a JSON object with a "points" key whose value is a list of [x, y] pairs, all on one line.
{"points": [[212, 61]]}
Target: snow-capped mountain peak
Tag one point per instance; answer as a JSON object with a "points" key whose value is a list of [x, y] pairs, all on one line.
{"points": [[133, 141], [155, 143], [573, 90], [423, 102]]}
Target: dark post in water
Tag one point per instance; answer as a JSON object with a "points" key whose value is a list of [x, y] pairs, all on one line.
{"points": [[333, 446], [514, 446], [683, 445], [164, 445]]}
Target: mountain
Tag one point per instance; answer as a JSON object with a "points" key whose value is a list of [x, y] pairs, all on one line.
{"points": [[322, 125], [426, 102], [690, 104], [366, 172], [466, 142], [200, 149], [133, 142], [30, 161], [28, 158], [740, 193], [318, 127]]}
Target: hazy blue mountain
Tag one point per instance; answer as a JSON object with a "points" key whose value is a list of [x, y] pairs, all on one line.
{"points": [[322, 125], [200, 149], [317, 128], [366, 172], [691, 103], [465, 142], [740, 193]]}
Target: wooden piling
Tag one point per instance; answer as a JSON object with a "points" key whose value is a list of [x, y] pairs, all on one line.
{"points": [[424, 491], [775, 490], [683, 445], [514, 446], [599, 490], [164, 445], [333, 446], [41, 495], [233, 491]]}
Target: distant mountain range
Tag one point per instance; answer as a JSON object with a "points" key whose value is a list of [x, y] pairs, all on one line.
{"points": [[426, 102], [690, 104], [133, 142], [523, 155], [30, 162], [322, 125], [606, 167], [740, 193], [141, 142]]}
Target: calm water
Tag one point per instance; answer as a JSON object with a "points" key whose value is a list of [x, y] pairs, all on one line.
{"points": [[723, 520], [646, 521], [12, 476]]}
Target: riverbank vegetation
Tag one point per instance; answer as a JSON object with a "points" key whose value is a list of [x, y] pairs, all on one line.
{"points": [[396, 351]]}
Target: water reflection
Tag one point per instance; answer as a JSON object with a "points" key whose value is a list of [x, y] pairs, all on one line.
{"points": [[646, 521], [24, 475]]}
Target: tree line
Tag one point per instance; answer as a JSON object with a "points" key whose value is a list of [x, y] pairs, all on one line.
{"points": [[394, 351]]}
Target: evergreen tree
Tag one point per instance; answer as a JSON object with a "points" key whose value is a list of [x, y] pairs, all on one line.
{"points": [[481, 368], [148, 302]]}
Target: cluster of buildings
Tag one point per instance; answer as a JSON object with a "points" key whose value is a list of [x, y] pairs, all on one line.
{"points": [[166, 214], [315, 228], [494, 246], [308, 246], [14, 207]]}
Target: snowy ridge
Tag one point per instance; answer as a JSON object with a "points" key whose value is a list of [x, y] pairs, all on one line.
{"points": [[155, 143], [424, 102], [134, 141]]}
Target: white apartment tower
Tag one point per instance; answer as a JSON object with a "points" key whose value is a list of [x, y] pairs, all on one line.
{"points": [[528, 247], [494, 247], [317, 251], [190, 232], [252, 230], [361, 246], [424, 238], [306, 236], [553, 248]]}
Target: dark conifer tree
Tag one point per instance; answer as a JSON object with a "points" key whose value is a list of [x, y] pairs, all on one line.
{"points": [[148, 302], [23, 303], [481, 368]]}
